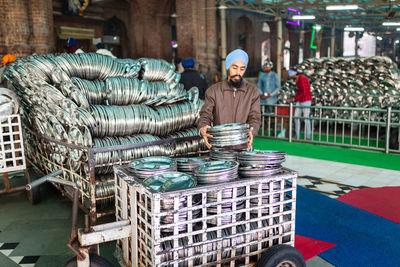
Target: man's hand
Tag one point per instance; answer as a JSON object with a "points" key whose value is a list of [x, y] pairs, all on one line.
{"points": [[250, 142], [265, 96], [205, 135]]}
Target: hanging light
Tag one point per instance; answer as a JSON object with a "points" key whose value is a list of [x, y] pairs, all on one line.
{"points": [[304, 17], [354, 29], [342, 7], [387, 23]]}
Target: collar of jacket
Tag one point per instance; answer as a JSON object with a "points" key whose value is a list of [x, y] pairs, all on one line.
{"points": [[226, 87]]}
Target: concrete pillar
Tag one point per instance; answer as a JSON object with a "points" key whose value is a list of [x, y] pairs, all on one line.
{"points": [[333, 40], [279, 49], [14, 28], [222, 9]]}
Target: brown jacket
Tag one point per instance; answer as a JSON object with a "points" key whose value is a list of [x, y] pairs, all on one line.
{"points": [[223, 107]]}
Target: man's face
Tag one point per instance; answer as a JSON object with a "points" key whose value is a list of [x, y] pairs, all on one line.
{"points": [[236, 71], [267, 69]]}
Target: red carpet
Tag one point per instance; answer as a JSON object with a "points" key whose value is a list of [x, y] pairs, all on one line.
{"points": [[383, 201], [311, 247]]}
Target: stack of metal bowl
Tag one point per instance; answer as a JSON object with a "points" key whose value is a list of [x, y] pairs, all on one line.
{"points": [[260, 163], [168, 181], [231, 134], [222, 154], [255, 164], [187, 165], [216, 172], [146, 167], [350, 82]]}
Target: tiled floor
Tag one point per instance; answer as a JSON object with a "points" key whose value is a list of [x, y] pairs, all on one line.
{"points": [[43, 239], [335, 179]]}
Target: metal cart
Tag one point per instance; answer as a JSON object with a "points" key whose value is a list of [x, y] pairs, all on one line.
{"points": [[78, 165], [12, 156], [240, 223]]}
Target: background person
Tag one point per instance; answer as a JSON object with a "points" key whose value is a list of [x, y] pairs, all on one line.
{"points": [[269, 86], [191, 77], [231, 101], [303, 98]]}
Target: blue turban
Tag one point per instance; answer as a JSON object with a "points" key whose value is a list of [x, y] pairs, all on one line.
{"points": [[292, 72], [236, 55], [188, 63], [101, 46], [71, 41]]}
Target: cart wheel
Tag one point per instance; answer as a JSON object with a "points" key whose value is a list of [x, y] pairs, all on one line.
{"points": [[95, 261], [33, 195], [281, 256]]}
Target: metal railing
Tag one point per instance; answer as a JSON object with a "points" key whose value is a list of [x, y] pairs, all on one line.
{"points": [[366, 128]]}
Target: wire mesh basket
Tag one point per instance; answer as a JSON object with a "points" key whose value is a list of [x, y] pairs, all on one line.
{"points": [[216, 231], [12, 156]]}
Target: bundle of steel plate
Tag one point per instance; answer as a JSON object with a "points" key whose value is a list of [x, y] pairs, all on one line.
{"points": [[350, 82], [231, 134], [168, 181], [260, 163], [215, 172], [92, 100], [187, 165], [223, 154], [149, 166]]}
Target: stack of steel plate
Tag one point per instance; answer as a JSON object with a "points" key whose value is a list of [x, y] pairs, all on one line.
{"points": [[222, 154], [216, 172], [231, 134], [146, 167], [169, 181], [260, 163], [188, 165], [362, 82]]}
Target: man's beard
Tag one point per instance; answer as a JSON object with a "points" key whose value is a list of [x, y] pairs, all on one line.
{"points": [[235, 84]]}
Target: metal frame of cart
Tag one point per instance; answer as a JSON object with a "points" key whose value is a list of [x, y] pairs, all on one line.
{"points": [[45, 154], [264, 231], [12, 157]]}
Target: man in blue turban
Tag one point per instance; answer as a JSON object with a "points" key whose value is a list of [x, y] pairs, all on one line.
{"points": [[232, 101]]}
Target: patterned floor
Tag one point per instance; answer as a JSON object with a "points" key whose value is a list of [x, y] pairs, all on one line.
{"points": [[326, 187]]}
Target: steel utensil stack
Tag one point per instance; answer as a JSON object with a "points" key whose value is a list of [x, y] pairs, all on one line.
{"points": [[92, 100], [256, 164], [229, 134], [216, 172], [350, 82]]}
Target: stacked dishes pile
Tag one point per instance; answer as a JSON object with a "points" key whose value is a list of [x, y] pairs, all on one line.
{"points": [[260, 164], [220, 154], [146, 167], [9, 104], [187, 165], [187, 147], [168, 181], [231, 134], [93, 100], [105, 189], [126, 155], [350, 82], [216, 172]]}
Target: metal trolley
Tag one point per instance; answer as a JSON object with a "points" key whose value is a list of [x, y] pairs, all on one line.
{"points": [[78, 165], [238, 223], [188, 228], [12, 157]]}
